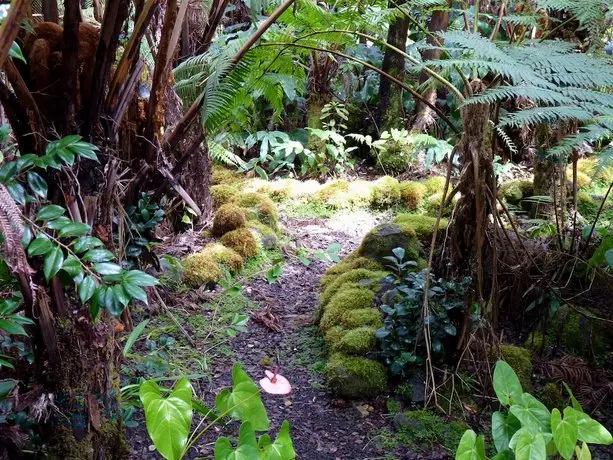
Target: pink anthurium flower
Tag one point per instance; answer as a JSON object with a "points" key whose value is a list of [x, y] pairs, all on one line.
{"points": [[275, 384]]}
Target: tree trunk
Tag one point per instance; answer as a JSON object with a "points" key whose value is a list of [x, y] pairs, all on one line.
{"points": [[391, 108], [425, 116]]}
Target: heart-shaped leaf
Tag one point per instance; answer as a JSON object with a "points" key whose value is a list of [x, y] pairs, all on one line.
{"points": [[503, 429], [564, 432], [281, 449], [471, 447], [530, 446], [532, 414], [506, 384]]}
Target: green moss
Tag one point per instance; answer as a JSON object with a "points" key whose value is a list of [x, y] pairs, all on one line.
{"points": [[362, 317], [520, 359], [333, 194], [222, 194], [242, 241], [515, 191], [223, 175], [586, 205], [223, 255], [267, 236], [200, 269], [382, 239], [358, 341], [355, 377], [535, 342], [423, 225], [412, 194], [551, 396], [334, 335], [433, 203], [263, 208], [227, 218], [396, 158], [425, 429], [361, 277], [344, 300], [351, 262], [434, 184], [385, 193]]}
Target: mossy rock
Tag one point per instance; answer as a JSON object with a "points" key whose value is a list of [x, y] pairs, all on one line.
{"points": [[396, 158], [515, 191], [222, 194], [520, 359], [425, 429], [355, 377], [352, 262], [381, 240], [434, 184], [334, 335], [266, 235], [359, 194], [227, 218], [536, 342], [423, 225], [242, 241], [345, 299], [551, 395], [223, 255], [333, 194], [385, 193], [262, 208], [433, 203], [199, 269], [223, 175], [362, 317], [358, 341], [412, 194], [586, 205], [359, 277]]}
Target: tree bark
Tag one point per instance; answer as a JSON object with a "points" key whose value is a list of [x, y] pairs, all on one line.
{"points": [[50, 11], [70, 68], [391, 108], [425, 116]]}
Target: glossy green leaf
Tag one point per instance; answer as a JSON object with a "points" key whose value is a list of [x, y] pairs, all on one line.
{"points": [[106, 268], [135, 292], [17, 192], [16, 53], [65, 155], [471, 447], [84, 150], [8, 171], [9, 326], [583, 452], [6, 386], [74, 229], [87, 287], [112, 303], [49, 212], [530, 446], [58, 223], [168, 419], [281, 449], [41, 245], [72, 266], [588, 429], [134, 335], [503, 429], [53, 262], [98, 300], [119, 295], [564, 433], [506, 384], [140, 278], [85, 243], [247, 448], [243, 402], [98, 255], [532, 413], [26, 238], [37, 184]]}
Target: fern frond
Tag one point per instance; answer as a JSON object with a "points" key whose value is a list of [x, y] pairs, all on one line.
{"points": [[532, 93], [545, 115]]}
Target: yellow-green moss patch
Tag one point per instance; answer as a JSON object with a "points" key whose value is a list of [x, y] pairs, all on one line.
{"points": [[223, 255], [358, 341], [362, 277], [223, 175], [344, 300], [434, 184], [412, 194], [349, 263], [362, 317], [520, 359], [267, 236], [264, 209], [382, 239], [355, 377], [199, 269], [423, 225], [515, 191], [242, 241], [227, 218], [385, 192]]}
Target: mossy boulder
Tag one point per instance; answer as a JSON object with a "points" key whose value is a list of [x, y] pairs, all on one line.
{"points": [[520, 359], [333, 194], [433, 203], [385, 193], [362, 317], [351, 262], [347, 298], [258, 206], [358, 341], [334, 335], [434, 184], [222, 194], [422, 224], [412, 194], [223, 175], [396, 158], [359, 277], [223, 255], [355, 377], [266, 235], [551, 395], [199, 269], [227, 218], [515, 191], [242, 241], [381, 240], [584, 174]]}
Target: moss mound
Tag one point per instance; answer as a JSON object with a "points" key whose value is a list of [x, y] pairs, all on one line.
{"points": [[347, 298], [423, 225], [515, 191], [586, 205], [352, 262], [242, 241], [223, 175], [433, 203], [359, 277], [551, 395], [200, 269], [223, 255], [263, 208], [333, 194], [334, 335], [362, 317], [434, 184], [385, 193], [520, 359], [412, 194], [227, 218], [355, 377], [266, 235], [358, 341], [424, 429], [396, 159], [382, 239], [222, 194]]}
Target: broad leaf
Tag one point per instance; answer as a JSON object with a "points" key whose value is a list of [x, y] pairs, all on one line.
{"points": [[98, 255], [119, 295], [106, 268], [37, 184], [530, 446], [51, 211], [135, 292], [532, 413], [506, 384], [53, 262], [583, 452], [9, 326], [74, 229], [87, 288], [564, 433], [41, 245], [589, 430], [243, 402], [281, 449], [503, 429], [72, 266], [140, 278], [86, 242], [168, 419], [471, 447], [247, 446]]}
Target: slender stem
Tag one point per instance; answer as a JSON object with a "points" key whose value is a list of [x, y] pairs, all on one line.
{"points": [[604, 200], [476, 20]]}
